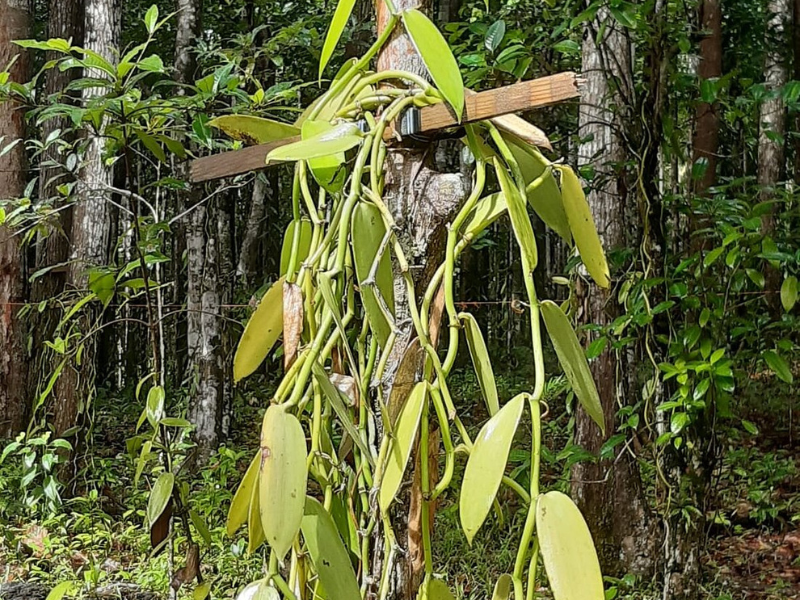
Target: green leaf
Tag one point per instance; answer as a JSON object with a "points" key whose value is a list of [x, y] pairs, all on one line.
{"points": [[253, 130], [282, 478], [152, 145], [329, 171], [778, 365], [438, 58], [573, 360], [330, 557], [503, 587], [438, 590], [495, 35], [337, 139], [481, 362], [582, 226], [486, 212], [517, 210], [201, 591], [486, 465], [789, 293], [159, 496], [400, 446], [261, 332], [304, 247], [567, 549], [201, 527], [339, 21], [62, 589], [151, 18], [368, 231], [255, 532], [155, 405], [240, 505]]}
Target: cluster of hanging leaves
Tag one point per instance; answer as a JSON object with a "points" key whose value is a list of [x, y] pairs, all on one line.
{"points": [[330, 421]]}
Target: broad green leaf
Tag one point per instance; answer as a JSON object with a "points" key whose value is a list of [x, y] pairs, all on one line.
{"points": [[573, 360], [582, 226], [329, 171], [339, 138], [517, 210], [155, 405], [486, 212], [282, 478], [368, 231], [401, 444], [778, 365], [789, 293], [201, 591], [253, 130], [261, 332], [481, 362], [334, 396], [62, 589], [255, 532], [486, 465], [438, 590], [567, 549], [438, 58], [240, 505], [151, 18], [544, 197], [339, 21], [159, 496], [201, 527], [331, 559], [304, 247], [495, 35], [503, 587]]}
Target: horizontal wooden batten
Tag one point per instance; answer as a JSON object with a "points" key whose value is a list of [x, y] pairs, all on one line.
{"points": [[518, 97]]}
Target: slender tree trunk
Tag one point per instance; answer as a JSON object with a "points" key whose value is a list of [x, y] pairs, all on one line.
{"points": [[91, 219], [13, 359], [796, 57], [247, 267], [609, 492]]}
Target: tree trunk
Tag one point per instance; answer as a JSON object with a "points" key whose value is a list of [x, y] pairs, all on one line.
{"points": [[13, 360], [609, 492], [706, 129], [247, 267], [91, 219]]}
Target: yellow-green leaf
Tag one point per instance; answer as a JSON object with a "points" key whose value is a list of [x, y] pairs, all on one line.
{"points": [[329, 171], [789, 293], [401, 444], [368, 231], [201, 591], [330, 104], [255, 532], [304, 243], [503, 587], [261, 332], [517, 210], [253, 130], [159, 496], [438, 58], [486, 465], [438, 590], [339, 138], [573, 360], [481, 362], [582, 226], [567, 549], [282, 478], [240, 505], [63, 589], [486, 212], [331, 560], [338, 23]]}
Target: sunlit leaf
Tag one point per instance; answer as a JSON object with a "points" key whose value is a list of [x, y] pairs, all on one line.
{"points": [[328, 553], [778, 365], [151, 18], [486, 465], [304, 244], [567, 549], [340, 17], [486, 212], [201, 591], [438, 58], [368, 231], [438, 590], [254, 130], [335, 140], [789, 293], [65, 588], [481, 361], [262, 331], [240, 505], [573, 360], [503, 587], [159, 496], [329, 171], [517, 210], [401, 444], [582, 226]]}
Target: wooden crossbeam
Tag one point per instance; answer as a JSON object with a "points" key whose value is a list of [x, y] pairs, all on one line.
{"points": [[518, 97]]}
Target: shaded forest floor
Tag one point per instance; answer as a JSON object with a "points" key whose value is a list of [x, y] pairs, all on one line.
{"points": [[97, 537]]}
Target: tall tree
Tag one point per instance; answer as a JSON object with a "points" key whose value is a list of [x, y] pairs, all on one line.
{"points": [[608, 492], [13, 362]]}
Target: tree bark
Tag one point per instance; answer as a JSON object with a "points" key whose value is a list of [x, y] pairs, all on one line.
{"points": [[609, 492], [247, 267], [13, 169]]}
